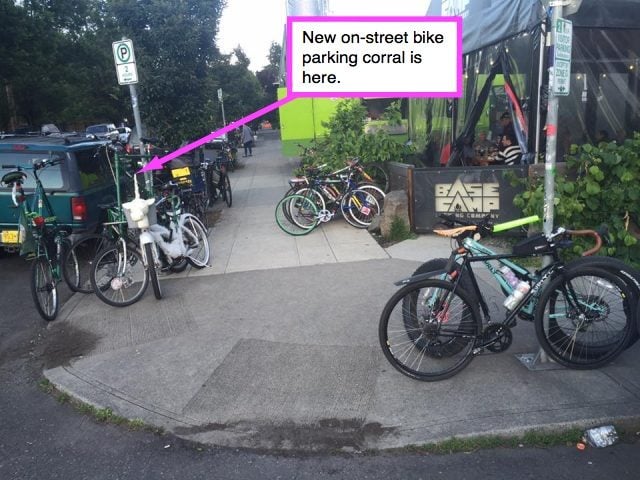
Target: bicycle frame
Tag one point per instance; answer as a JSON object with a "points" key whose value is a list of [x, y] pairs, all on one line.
{"points": [[476, 252]]}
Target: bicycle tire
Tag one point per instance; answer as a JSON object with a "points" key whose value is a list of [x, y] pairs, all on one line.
{"points": [[582, 319], [226, 191], [361, 206], [43, 289], [312, 194], [376, 191], [153, 272], [199, 208], [629, 275], [450, 315], [453, 346], [78, 261], [119, 289], [296, 215], [377, 175], [195, 236]]}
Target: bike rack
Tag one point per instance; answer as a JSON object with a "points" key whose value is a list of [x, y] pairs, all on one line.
{"points": [[539, 361]]}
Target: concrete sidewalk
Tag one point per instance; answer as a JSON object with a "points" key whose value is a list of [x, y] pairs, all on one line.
{"points": [[276, 346]]}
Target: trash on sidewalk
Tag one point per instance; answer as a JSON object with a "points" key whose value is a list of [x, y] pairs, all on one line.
{"points": [[601, 436]]}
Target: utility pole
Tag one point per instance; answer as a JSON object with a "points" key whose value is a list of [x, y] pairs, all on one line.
{"points": [[551, 128]]}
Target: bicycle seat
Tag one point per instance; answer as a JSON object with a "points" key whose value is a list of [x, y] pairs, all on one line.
{"points": [[13, 177], [454, 232]]}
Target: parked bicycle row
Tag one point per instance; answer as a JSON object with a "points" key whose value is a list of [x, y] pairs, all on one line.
{"points": [[162, 229], [319, 196], [585, 311]]}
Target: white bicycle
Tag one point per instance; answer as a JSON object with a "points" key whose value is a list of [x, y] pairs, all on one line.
{"points": [[120, 274]]}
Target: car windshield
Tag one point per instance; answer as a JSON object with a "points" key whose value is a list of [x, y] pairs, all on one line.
{"points": [[51, 177], [97, 129]]}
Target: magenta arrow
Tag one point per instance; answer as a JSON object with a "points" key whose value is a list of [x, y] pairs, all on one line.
{"points": [[157, 163]]}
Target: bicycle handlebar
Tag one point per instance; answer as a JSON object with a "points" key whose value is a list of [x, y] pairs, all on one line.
{"points": [[589, 233]]}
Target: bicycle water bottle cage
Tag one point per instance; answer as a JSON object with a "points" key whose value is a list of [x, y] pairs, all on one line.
{"points": [[15, 176]]}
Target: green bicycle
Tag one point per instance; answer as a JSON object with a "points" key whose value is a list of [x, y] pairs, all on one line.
{"points": [[41, 237]]}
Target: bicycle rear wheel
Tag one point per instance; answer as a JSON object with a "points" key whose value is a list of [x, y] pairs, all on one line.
{"points": [[376, 174], [583, 319], [296, 215], [43, 289], [119, 279], [195, 237], [78, 261], [439, 315]]}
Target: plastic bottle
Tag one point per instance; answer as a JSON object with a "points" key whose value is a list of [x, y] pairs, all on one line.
{"points": [[522, 288], [509, 276]]}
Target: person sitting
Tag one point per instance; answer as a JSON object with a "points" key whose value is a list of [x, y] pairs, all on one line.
{"points": [[510, 153], [482, 145]]}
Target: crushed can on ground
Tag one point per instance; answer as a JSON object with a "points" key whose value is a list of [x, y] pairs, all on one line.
{"points": [[601, 436]]}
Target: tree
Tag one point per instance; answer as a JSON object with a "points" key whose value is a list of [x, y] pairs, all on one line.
{"points": [[175, 49], [269, 79]]}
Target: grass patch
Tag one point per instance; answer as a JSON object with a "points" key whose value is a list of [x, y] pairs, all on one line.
{"points": [[628, 432], [533, 438], [102, 415]]}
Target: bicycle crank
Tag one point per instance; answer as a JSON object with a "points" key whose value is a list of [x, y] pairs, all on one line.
{"points": [[324, 216], [496, 337]]}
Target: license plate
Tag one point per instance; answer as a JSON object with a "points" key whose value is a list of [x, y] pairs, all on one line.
{"points": [[9, 236], [180, 172], [365, 210]]}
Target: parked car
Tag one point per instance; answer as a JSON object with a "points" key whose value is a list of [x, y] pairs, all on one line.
{"points": [[124, 133], [76, 187], [106, 131]]}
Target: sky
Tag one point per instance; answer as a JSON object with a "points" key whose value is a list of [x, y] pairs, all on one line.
{"points": [[254, 24]]}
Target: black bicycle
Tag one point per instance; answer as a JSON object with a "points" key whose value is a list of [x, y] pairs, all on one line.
{"points": [[439, 320]]}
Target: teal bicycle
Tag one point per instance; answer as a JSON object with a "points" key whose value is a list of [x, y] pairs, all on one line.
{"points": [[439, 320], [41, 237]]}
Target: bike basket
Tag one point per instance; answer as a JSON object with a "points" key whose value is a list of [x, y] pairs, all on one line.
{"points": [[534, 245], [151, 215]]}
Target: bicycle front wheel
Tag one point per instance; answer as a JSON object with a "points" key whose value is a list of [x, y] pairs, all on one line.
{"points": [[118, 276], [196, 241], [428, 330], [153, 271], [583, 319], [360, 207], [43, 289], [296, 215], [225, 189]]}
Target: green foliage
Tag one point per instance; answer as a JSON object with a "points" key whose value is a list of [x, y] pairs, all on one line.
{"points": [[346, 139], [398, 231], [600, 186], [56, 65], [392, 114], [269, 78]]}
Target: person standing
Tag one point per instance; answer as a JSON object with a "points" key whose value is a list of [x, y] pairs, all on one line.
{"points": [[247, 139]]}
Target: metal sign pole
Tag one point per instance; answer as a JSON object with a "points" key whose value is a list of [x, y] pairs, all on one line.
{"points": [[136, 110], [540, 360], [221, 100]]}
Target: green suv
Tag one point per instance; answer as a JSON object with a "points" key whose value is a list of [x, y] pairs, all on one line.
{"points": [[76, 187]]}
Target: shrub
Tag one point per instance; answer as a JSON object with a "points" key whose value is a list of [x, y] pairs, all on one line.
{"points": [[600, 186]]}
